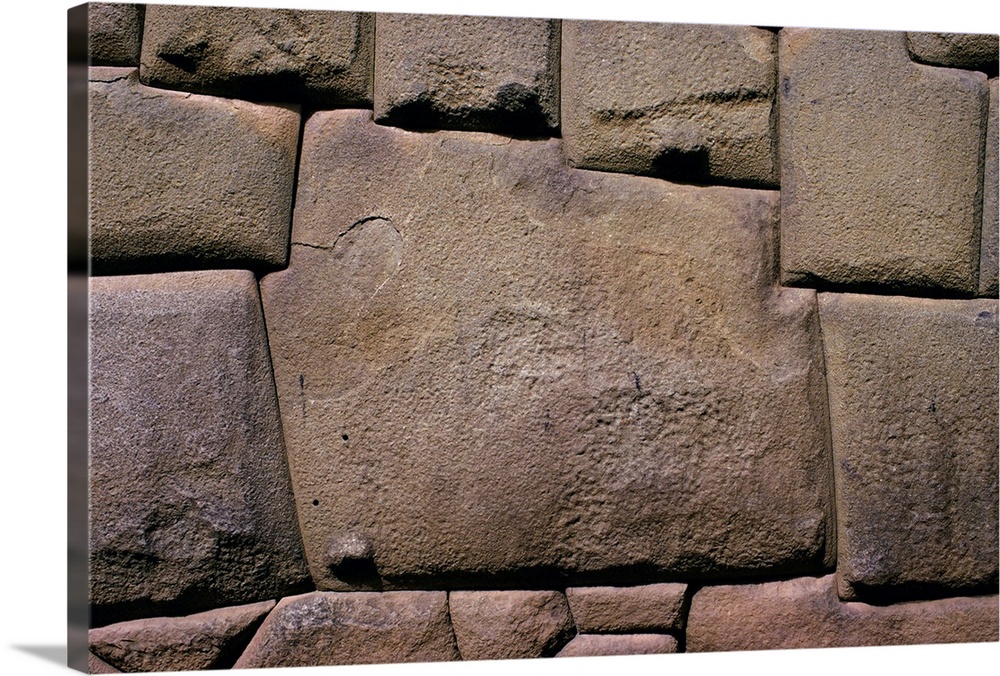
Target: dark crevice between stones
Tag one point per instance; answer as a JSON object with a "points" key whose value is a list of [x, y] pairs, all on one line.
{"points": [[691, 167], [236, 646], [177, 263], [886, 595], [685, 612], [808, 280], [304, 115]]}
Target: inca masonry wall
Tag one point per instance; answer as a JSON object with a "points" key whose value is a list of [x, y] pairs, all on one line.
{"points": [[422, 338]]}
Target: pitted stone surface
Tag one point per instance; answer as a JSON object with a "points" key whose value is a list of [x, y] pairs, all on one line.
{"points": [[95, 665], [628, 610], [596, 645], [955, 50], [329, 628], [209, 640], [875, 189], [190, 502], [510, 625], [498, 74], [115, 33], [686, 102], [989, 256], [806, 613], [913, 410], [182, 180], [498, 370], [321, 58]]}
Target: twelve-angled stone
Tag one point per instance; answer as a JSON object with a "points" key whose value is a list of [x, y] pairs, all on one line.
{"points": [[494, 368], [881, 165], [190, 502], [913, 412], [497, 74], [321, 58], [680, 101], [181, 180]]}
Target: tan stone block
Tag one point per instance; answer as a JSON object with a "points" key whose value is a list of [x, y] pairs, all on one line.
{"points": [[990, 251], [509, 625], [806, 613], [493, 368], [880, 165], [955, 50], [321, 58], [186, 181], [684, 102], [498, 74], [115, 33], [913, 412], [596, 645], [190, 501], [628, 610], [329, 628], [209, 640]]}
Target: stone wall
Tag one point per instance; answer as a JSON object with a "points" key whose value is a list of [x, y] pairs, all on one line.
{"points": [[429, 338]]}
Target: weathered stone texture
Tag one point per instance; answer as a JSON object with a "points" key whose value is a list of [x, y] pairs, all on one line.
{"points": [[329, 628], [95, 665], [190, 501], [685, 102], [210, 640], [115, 33], [806, 613], [596, 645], [508, 625], [913, 410], [180, 180], [321, 58], [495, 369], [990, 254], [875, 189], [498, 74], [628, 610], [955, 50]]}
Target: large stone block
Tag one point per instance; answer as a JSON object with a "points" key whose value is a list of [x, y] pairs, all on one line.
{"points": [[628, 610], [496, 74], [913, 412], [510, 625], [190, 502], [686, 102], [596, 645], [881, 165], [321, 58], [209, 640], [990, 253], [497, 372], [955, 50], [180, 180], [115, 33], [806, 613], [329, 628]]}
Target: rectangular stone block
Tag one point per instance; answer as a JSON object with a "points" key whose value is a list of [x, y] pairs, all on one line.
{"points": [[596, 645], [320, 58], [806, 613], [913, 412], [881, 165], [509, 625], [498, 74], [494, 370], [190, 500], [683, 102], [181, 181], [628, 610]]}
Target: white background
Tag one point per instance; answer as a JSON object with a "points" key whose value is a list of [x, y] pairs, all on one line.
{"points": [[33, 554]]}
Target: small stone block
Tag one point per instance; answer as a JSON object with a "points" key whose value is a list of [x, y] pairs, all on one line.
{"points": [[955, 50], [115, 32], [597, 645], [628, 610], [507, 625]]}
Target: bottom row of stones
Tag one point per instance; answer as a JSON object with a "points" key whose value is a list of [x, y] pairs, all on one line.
{"points": [[339, 628]]}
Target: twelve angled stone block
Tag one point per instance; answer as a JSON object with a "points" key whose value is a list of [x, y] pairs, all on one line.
{"points": [[628, 610], [497, 370], [955, 50], [320, 58], [881, 165], [495, 74], [115, 33], [325, 628], [181, 180], [209, 640], [990, 254], [693, 103], [190, 502], [806, 613], [596, 645], [913, 411], [510, 625]]}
